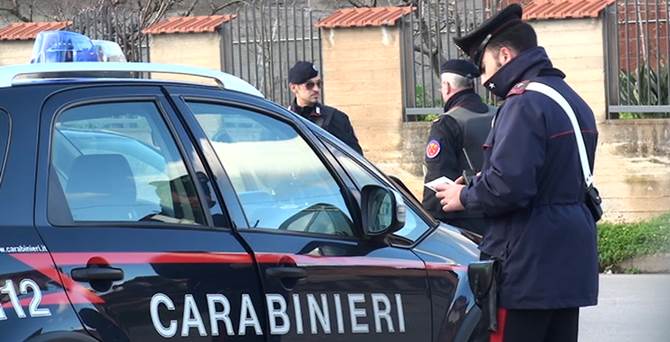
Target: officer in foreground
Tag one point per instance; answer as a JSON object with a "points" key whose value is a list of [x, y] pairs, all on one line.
{"points": [[305, 84], [455, 140], [532, 186]]}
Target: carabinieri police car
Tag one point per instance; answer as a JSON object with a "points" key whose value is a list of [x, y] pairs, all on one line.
{"points": [[133, 209]]}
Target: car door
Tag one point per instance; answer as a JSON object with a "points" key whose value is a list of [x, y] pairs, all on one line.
{"points": [[321, 278], [444, 251], [132, 220]]}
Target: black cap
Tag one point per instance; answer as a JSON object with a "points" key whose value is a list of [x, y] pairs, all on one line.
{"points": [[474, 43], [302, 72], [460, 67]]}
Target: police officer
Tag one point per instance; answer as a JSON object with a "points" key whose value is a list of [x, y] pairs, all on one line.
{"points": [[456, 138], [532, 186], [305, 84]]}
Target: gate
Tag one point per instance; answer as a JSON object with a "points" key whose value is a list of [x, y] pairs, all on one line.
{"points": [[638, 48], [266, 39], [427, 42], [119, 24]]}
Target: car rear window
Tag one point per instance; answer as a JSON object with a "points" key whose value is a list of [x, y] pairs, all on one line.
{"points": [[4, 141]]}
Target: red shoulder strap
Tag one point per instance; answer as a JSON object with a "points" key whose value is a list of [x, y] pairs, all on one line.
{"points": [[518, 88]]}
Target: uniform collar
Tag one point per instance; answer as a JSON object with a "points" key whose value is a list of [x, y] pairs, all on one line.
{"points": [[525, 66], [467, 99], [306, 112]]}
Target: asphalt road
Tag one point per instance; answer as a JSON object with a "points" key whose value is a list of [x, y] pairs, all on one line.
{"points": [[631, 308]]}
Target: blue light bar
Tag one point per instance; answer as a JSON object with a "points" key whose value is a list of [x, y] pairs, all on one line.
{"points": [[63, 46]]}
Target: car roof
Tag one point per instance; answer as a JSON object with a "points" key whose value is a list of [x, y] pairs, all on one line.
{"points": [[57, 72]]}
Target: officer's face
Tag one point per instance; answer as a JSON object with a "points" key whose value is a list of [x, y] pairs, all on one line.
{"points": [[308, 93]]}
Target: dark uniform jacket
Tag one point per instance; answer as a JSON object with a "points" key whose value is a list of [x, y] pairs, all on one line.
{"points": [[332, 120], [533, 189], [466, 122]]}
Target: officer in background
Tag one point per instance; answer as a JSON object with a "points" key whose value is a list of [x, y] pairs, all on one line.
{"points": [[532, 186], [305, 84], [456, 138]]}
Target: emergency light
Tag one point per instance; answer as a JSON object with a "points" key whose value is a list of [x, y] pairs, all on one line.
{"points": [[64, 46], [109, 51]]}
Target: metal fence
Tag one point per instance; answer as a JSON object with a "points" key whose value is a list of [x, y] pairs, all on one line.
{"points": [[637, 59], [266, 39], [428, 41], [119, 24]]}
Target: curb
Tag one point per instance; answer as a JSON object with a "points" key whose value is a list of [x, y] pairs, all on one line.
{"points": [[657, 263]]}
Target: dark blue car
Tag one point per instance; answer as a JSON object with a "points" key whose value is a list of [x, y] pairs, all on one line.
{"points": [[146, 210]]}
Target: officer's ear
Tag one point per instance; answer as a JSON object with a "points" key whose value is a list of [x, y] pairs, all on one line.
{"points": [[293, 87], [506, 54], [449, 87]]}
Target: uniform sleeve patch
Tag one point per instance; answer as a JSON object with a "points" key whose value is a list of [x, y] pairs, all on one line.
{"points": [[432, 149]]}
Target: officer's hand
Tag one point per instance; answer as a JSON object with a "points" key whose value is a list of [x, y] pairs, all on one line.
{"points": [[460, 180], [450, 196]]}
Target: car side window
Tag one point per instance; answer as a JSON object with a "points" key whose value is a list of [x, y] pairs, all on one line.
{"points": [[4, 140], [118, 162], [414, 227], [279, 179]]}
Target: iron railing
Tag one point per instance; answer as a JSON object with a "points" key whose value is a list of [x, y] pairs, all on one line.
{"points": [[119, 24], [266, 39], [637, 58], [428, 41]]}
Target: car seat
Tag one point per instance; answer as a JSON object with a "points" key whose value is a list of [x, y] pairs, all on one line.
{"points": [[101, 187]]}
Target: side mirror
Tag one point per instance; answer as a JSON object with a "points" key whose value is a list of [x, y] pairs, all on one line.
{"points": [[382, 210]]}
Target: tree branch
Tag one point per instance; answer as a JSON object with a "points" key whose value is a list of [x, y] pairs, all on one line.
{"points": [[190, 9], [216, 9], [15, 10]]}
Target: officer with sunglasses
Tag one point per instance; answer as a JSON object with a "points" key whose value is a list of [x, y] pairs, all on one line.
{"points": [[305, 84]]}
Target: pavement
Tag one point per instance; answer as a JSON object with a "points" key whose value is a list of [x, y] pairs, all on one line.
{"points": [[631, 308]]}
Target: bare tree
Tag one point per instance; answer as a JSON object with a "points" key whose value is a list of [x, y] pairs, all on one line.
{"points": [[426, 37], [218, 6], [23, 11]]}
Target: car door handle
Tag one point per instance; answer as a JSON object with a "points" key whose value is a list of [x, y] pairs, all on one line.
{"points": [[286, 272], [97, 274]]}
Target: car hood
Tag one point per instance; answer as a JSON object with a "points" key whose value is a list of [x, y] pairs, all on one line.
{"points": [[450, 245]]}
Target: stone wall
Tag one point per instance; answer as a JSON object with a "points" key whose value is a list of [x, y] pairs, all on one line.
{"points": [[361, 68], [15, 51], [633, 168]]}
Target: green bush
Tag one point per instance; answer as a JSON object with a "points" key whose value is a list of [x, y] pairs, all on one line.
{"points": [[644, 86], [622, 241], [429, 117]]}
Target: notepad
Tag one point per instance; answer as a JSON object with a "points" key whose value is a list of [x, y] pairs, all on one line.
{"points": [[442, 180]]}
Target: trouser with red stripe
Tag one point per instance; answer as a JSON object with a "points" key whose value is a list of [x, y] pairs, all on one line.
{"points": [[558, 325]]}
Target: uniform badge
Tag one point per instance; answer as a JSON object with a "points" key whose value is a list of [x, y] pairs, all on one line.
{"points": [[433, 149]]}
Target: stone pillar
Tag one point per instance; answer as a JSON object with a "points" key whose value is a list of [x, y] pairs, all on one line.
{"points": [[192, 49], [362, 77], [577, 47]]}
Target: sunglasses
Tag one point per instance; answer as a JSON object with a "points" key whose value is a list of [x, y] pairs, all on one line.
{"points": [[310, 84]]}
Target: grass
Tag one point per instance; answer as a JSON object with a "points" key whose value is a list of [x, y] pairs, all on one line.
{"points": [[619, 242]]}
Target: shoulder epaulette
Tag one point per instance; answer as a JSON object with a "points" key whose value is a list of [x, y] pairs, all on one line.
{"points": [[518, 89]]}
